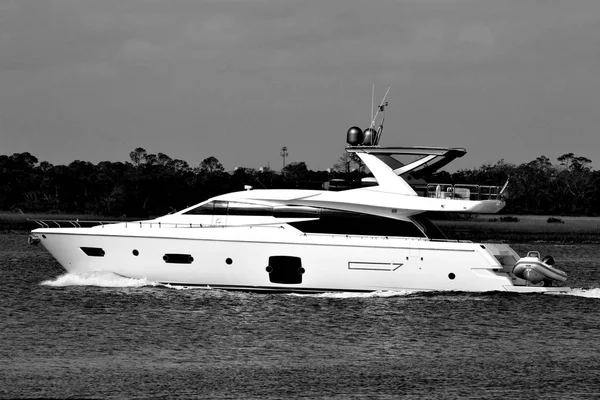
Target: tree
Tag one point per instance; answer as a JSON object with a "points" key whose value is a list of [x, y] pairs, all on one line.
{"points": [[23, 161], [348, 161], [179, 165], [211, 165], [571, 163], [576, 183], [138, 156], [163, 159], [45, 166], [295, 171]]}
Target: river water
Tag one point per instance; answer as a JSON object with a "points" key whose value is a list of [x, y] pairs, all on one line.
{"points": [[104, 336]]}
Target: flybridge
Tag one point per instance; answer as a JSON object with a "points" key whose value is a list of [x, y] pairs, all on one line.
{"points": [[392, 171], [431, 160], [361, 142], [414, 150]]}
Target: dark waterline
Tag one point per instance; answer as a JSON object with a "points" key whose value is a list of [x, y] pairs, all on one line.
{"points": [[69, 337]]}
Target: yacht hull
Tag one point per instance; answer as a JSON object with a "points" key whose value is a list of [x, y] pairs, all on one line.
{"points": [[276, 258]]}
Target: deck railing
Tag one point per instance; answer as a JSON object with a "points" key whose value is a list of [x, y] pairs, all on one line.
{"points": [[458, 191], [142, 224], [56, 223]]}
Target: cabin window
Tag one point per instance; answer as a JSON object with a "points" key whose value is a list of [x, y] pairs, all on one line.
{"points": [[296, 212], [345, 223], [235, 208], [219, 207], [430, 229], [327, 221], [204, 209]]}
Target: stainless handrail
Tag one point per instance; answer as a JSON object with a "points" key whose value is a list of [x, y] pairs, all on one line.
{"points": [[462, 191], [141, 224]]}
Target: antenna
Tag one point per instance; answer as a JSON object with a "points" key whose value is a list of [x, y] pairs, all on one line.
{"points": [[372, 102], [380, 108]]}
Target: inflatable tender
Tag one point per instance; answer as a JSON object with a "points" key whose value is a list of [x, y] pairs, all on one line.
{"points": [[535, 270]]}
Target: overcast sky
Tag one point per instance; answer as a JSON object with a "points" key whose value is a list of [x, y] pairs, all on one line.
{"points": [[94, 79]]}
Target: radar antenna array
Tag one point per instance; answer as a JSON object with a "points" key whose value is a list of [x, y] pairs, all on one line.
{"points": [[370, 136]]}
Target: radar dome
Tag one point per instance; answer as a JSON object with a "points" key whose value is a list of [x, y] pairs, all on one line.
{"points": [[355, 136], [370, 135]]}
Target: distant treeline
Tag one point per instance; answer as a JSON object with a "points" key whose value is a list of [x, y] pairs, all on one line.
{"points": [[155, 184]]}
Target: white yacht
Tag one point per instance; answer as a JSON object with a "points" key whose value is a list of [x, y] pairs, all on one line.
{"points": [[370, 238]]}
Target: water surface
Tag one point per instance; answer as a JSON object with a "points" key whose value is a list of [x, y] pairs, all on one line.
{"points": [[104, 336]]}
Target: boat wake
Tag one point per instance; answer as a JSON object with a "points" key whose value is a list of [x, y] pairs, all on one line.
{"points": [[354, 295], [593, 293], [111, 280], [98, 279]]}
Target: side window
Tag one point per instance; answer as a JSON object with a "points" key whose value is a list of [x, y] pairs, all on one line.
{"points": [[214, 207], [220, 207], [432, 231], [343, 223], [249, 209]]}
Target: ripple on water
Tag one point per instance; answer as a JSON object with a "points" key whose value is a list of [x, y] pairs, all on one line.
{"points": [[103, 335]]}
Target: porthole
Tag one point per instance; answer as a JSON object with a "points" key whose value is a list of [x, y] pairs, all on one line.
{"points": [[229, 261], [451, 275], [135, 252]]}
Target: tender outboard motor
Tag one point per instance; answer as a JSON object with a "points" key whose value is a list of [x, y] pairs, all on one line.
{"points": [[549, 260]]}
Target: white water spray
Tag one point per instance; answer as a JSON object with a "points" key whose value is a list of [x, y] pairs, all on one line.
{"points": [[354, 295], [593, 293], [98, 279]]}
